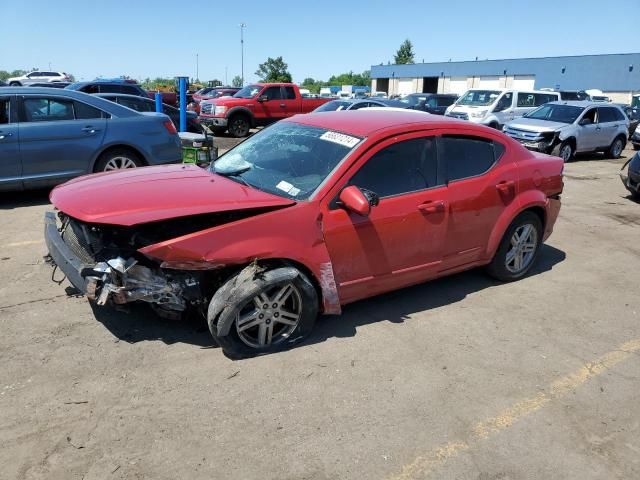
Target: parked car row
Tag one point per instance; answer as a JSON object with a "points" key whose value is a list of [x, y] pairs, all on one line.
{"points": [[48, 136]]}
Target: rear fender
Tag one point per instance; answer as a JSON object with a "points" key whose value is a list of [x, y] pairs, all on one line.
{"points": [[529, 199]]}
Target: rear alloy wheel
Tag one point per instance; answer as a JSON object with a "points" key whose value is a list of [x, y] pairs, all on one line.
{"points": [[266, 313], [563, 150], [117, 160], [616, 148], [239, 126], [518, 249]]}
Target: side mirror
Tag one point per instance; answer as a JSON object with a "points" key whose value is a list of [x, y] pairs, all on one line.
{"points": [[354, 200], [263, 98], [585, 121]]}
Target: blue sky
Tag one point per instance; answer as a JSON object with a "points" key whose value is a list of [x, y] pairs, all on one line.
{"points": [[141, 38]]}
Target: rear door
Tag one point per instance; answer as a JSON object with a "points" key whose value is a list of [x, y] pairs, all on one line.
{"points": [[58, 138], [10, 163], [482, 182], [292, 104], [609, 123]]}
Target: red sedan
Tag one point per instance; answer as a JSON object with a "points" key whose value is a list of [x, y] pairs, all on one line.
{"points": [[308, 215]]}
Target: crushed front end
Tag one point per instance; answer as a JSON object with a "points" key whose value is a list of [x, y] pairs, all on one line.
{"points": [[103, 263]]}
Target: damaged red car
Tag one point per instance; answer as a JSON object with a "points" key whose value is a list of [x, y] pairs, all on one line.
{"points": [[310, 214]]}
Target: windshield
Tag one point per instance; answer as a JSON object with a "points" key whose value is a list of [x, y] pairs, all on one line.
{"points": [[413, 100], [333, 106], [249, 91], [286, 159], [556, 113], [479, 97]]}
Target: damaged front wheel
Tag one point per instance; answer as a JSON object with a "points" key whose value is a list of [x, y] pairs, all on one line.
{"points": [[262, 311]]}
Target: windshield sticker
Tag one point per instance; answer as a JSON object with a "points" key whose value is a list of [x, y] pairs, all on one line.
{"points": [[294, 191], [340, 138], [285, 186]]}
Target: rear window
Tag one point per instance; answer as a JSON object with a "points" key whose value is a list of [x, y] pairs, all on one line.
{"points": [[84, 111], [467, 157], [609, 114], [333, 106]]}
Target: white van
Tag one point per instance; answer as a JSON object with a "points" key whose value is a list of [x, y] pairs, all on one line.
{"points": [[497, 107]]}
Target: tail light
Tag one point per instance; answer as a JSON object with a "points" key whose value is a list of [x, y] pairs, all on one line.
{"points": [[171, 128]]}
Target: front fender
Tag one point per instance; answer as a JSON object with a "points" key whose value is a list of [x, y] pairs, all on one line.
{"points": [[244, 110], [524, 201]]}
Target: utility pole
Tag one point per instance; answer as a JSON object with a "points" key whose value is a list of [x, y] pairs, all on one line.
{"points": [[226, 83], [197, 69], [49, 65], [242, 27]]}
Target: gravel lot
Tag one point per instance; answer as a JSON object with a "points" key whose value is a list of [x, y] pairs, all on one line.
{"points": [[460, 378]]}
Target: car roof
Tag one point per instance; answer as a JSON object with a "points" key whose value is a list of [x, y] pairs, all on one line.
{"points": [[365, 122], [582, 103], [123, 95]]}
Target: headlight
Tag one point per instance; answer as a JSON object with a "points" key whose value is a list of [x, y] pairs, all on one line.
{"points": [[479, 114], [219, 110]]}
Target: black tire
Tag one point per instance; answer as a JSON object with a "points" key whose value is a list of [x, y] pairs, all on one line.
{"points": [[238, 298], [617, 146], [15, 84], [498, 266], [561, 149], [495, 125], [111, 157], [239, 125]]}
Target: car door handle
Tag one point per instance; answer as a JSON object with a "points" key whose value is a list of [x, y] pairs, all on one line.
{"points": [[5, 135], [436, 206], [90, 129], [507, 187], [598, 128], [283, 105]]}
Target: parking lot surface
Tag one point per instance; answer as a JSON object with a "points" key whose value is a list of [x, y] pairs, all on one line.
{"points": [[459, 378]]}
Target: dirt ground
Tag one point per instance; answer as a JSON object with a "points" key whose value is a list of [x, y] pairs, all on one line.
{"points": [[460, 378]]}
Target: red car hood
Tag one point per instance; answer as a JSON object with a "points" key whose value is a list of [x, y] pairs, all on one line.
{"points": [[141, 195]]}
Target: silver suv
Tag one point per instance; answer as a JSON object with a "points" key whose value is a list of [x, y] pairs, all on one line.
{"points": [[566, 128]]}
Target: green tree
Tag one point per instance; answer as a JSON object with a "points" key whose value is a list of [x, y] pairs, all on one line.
{"points": [[273, 70], [357, 79], [312, 84], [404, 53], [236, 81]]}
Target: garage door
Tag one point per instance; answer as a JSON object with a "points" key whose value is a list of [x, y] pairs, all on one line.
{"points": [[489, 82], [524, 82], [405, 86], [457, 85]]}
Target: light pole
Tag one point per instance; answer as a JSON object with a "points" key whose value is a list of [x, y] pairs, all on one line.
{"points": [[197, 69], [242, 27]]}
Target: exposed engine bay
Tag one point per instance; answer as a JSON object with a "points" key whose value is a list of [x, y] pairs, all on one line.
{"points": [[115, 272]]}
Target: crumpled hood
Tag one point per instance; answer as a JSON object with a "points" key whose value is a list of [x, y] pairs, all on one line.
{"points": [[535, 125], [148, 194]]}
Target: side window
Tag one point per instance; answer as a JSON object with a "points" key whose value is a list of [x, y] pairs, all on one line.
{"points": [[132, 104], [47, 109], [590, 115], [467, 156], [129, 90], [504, 103], [445, 101], [84, 111], [290, 93], [5, 112], [542, 98], [91, 89], [110, 88], [432, 102], [403, 167], [360, 105], [621, 116], [33, 75], [606, 115], [526, 99], [273, 93]]}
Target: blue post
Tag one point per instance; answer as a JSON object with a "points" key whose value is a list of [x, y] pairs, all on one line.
{"points": [[158, 102], [183, 104]]}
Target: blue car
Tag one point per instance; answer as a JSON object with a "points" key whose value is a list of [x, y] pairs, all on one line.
{"points": [[49, 135]]}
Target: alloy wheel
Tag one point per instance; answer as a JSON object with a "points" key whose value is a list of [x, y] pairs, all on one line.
{"points": [[118, 163], [617, 148], [270, 317], [565, 153], [524, 243]]}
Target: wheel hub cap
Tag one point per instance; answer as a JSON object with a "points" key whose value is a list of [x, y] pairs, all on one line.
{"points": [[118, 163], [524, 243], [270, 317]]}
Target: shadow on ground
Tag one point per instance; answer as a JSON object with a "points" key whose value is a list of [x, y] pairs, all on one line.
{"points": [[11, 200], [142, 324]]}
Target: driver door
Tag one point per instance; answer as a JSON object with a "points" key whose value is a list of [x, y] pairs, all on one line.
{"points": [[274, 107], [588, 135], [504, 110], [401, 241]]}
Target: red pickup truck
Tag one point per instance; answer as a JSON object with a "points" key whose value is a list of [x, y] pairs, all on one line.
{"points": [[255, 105]]}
